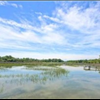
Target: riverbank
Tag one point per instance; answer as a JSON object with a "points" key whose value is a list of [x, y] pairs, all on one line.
{"points": [[83, 64], [8, 64]]}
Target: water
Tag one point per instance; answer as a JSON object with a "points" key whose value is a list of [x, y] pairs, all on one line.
{"points": [[49, 82]]}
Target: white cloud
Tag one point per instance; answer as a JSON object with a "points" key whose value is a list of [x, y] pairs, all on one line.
{"points": [[4, 3], [30, 34], [38, 13], [72, 27], [20, 6], [54, 38], [84, 20], [14, 5], [50, 55], [87, 20]]}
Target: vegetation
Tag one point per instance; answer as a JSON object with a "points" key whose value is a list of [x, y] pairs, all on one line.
{"points": [[44, 75], [10, 61], [94, 62]]}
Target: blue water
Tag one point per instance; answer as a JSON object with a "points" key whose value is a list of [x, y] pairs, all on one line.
{"points": [[63, 82]]}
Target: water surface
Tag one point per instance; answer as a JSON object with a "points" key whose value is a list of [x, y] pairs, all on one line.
{"points": [[49, 82]]}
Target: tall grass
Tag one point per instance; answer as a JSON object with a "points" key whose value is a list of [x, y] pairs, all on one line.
{"points": [[10, 64]]}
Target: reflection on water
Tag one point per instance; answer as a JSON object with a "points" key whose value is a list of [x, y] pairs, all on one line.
{"points": [[25, 75], [49, 82], [92, 68]]}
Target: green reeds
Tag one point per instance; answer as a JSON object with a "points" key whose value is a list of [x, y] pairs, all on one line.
{"points": [[45, 75]]}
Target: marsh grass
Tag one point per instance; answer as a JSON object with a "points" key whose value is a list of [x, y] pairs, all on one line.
{"points": [[47, 73], [82, 64], [2, 88], [30, 64]]}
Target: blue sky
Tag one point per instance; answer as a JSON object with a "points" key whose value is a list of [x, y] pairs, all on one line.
{"points": [[50, 29]]}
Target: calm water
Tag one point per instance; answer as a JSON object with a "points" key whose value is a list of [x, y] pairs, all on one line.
{"points": [[49, 82]]}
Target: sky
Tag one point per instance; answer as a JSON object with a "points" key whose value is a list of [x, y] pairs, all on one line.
{"points": [[68, 30]]}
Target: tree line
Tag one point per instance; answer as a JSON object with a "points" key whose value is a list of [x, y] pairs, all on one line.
{"points": [[91, 61], [9, 58]]}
